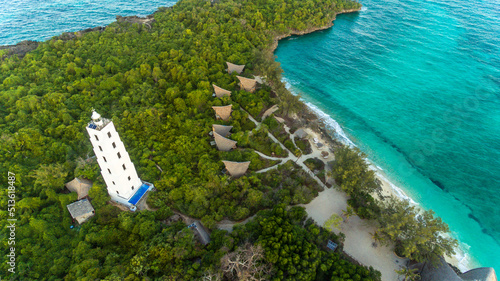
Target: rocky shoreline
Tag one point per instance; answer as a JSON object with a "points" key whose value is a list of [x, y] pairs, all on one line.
{"points": [[22, 48], [309, 30]]}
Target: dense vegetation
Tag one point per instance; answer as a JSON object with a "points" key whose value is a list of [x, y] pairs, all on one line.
{"points": [[155, 83], [296, 252]]}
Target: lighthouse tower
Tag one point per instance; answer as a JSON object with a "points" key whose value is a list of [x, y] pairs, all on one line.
{"points": [[118, 171]]}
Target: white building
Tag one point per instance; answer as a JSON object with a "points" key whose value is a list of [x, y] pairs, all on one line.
{"points": [[118, 171]]}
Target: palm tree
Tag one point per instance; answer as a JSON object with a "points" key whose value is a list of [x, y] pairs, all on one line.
{"points": [[347, 213], [408, 274]]}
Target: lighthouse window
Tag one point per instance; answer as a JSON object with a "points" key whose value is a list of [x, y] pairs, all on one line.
{"points": [[123, 166], [128, 177], [109, 134], [114, 145], [132, 188], [109, 171], [96, 138], [117, 192], [100, 147], [119, 155], [104, 159], [113, 182]]}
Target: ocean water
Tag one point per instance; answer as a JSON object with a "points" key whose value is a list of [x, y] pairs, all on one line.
{"points": [[416, 86], [40, 20]]}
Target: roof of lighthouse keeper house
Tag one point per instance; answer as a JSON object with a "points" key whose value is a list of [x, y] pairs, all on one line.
{"points": [[81, 210]]}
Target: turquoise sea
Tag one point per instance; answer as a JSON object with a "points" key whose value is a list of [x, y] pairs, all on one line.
{"points": [[414, 84]]}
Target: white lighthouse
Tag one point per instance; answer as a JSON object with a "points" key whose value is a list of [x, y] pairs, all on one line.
{"points": [[118, 171]]}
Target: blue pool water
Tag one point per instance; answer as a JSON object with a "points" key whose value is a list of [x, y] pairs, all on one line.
{"points": [[416, 85]]}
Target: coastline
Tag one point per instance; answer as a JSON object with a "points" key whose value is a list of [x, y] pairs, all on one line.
{"points": [[461, 260], [277, 38], [328, 125]]}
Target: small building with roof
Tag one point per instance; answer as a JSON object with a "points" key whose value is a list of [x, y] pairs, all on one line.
{"points": [[222, 130], [81, 210], [236, 169], [247, 84], [224, 144], [219, 92], [80, 186], [231, 67], [223, 112], [200, 232]]}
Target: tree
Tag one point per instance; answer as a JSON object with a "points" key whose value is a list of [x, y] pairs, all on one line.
{"points": [[416, 234], [333, 222], [51, 176], [347, 213]]}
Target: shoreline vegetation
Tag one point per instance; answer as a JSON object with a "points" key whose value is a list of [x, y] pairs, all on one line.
{"points": [[154, 80]]}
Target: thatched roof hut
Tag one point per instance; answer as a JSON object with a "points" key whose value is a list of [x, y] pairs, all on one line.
{"points": [[223, 112], [440, 272], [231, 67], [224, 144], [221, 129], [236, 169], [270, 111], [80, 186], [247, 84], [219, 92]]}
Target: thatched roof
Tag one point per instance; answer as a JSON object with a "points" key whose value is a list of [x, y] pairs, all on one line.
{"points": [[80, 186], [247, 84], [236, 169], [223, 112], [479, 274], [300, 133], [81, 210], [224, 144], [219, 92], [270, 111], [221, 129], [231, 67]]}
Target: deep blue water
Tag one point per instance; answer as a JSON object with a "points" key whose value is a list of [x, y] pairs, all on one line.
{"points": [[40, 20], [416, 85]]}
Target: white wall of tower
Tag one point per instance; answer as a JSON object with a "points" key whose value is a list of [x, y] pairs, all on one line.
{"points": [[117, 169]]}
